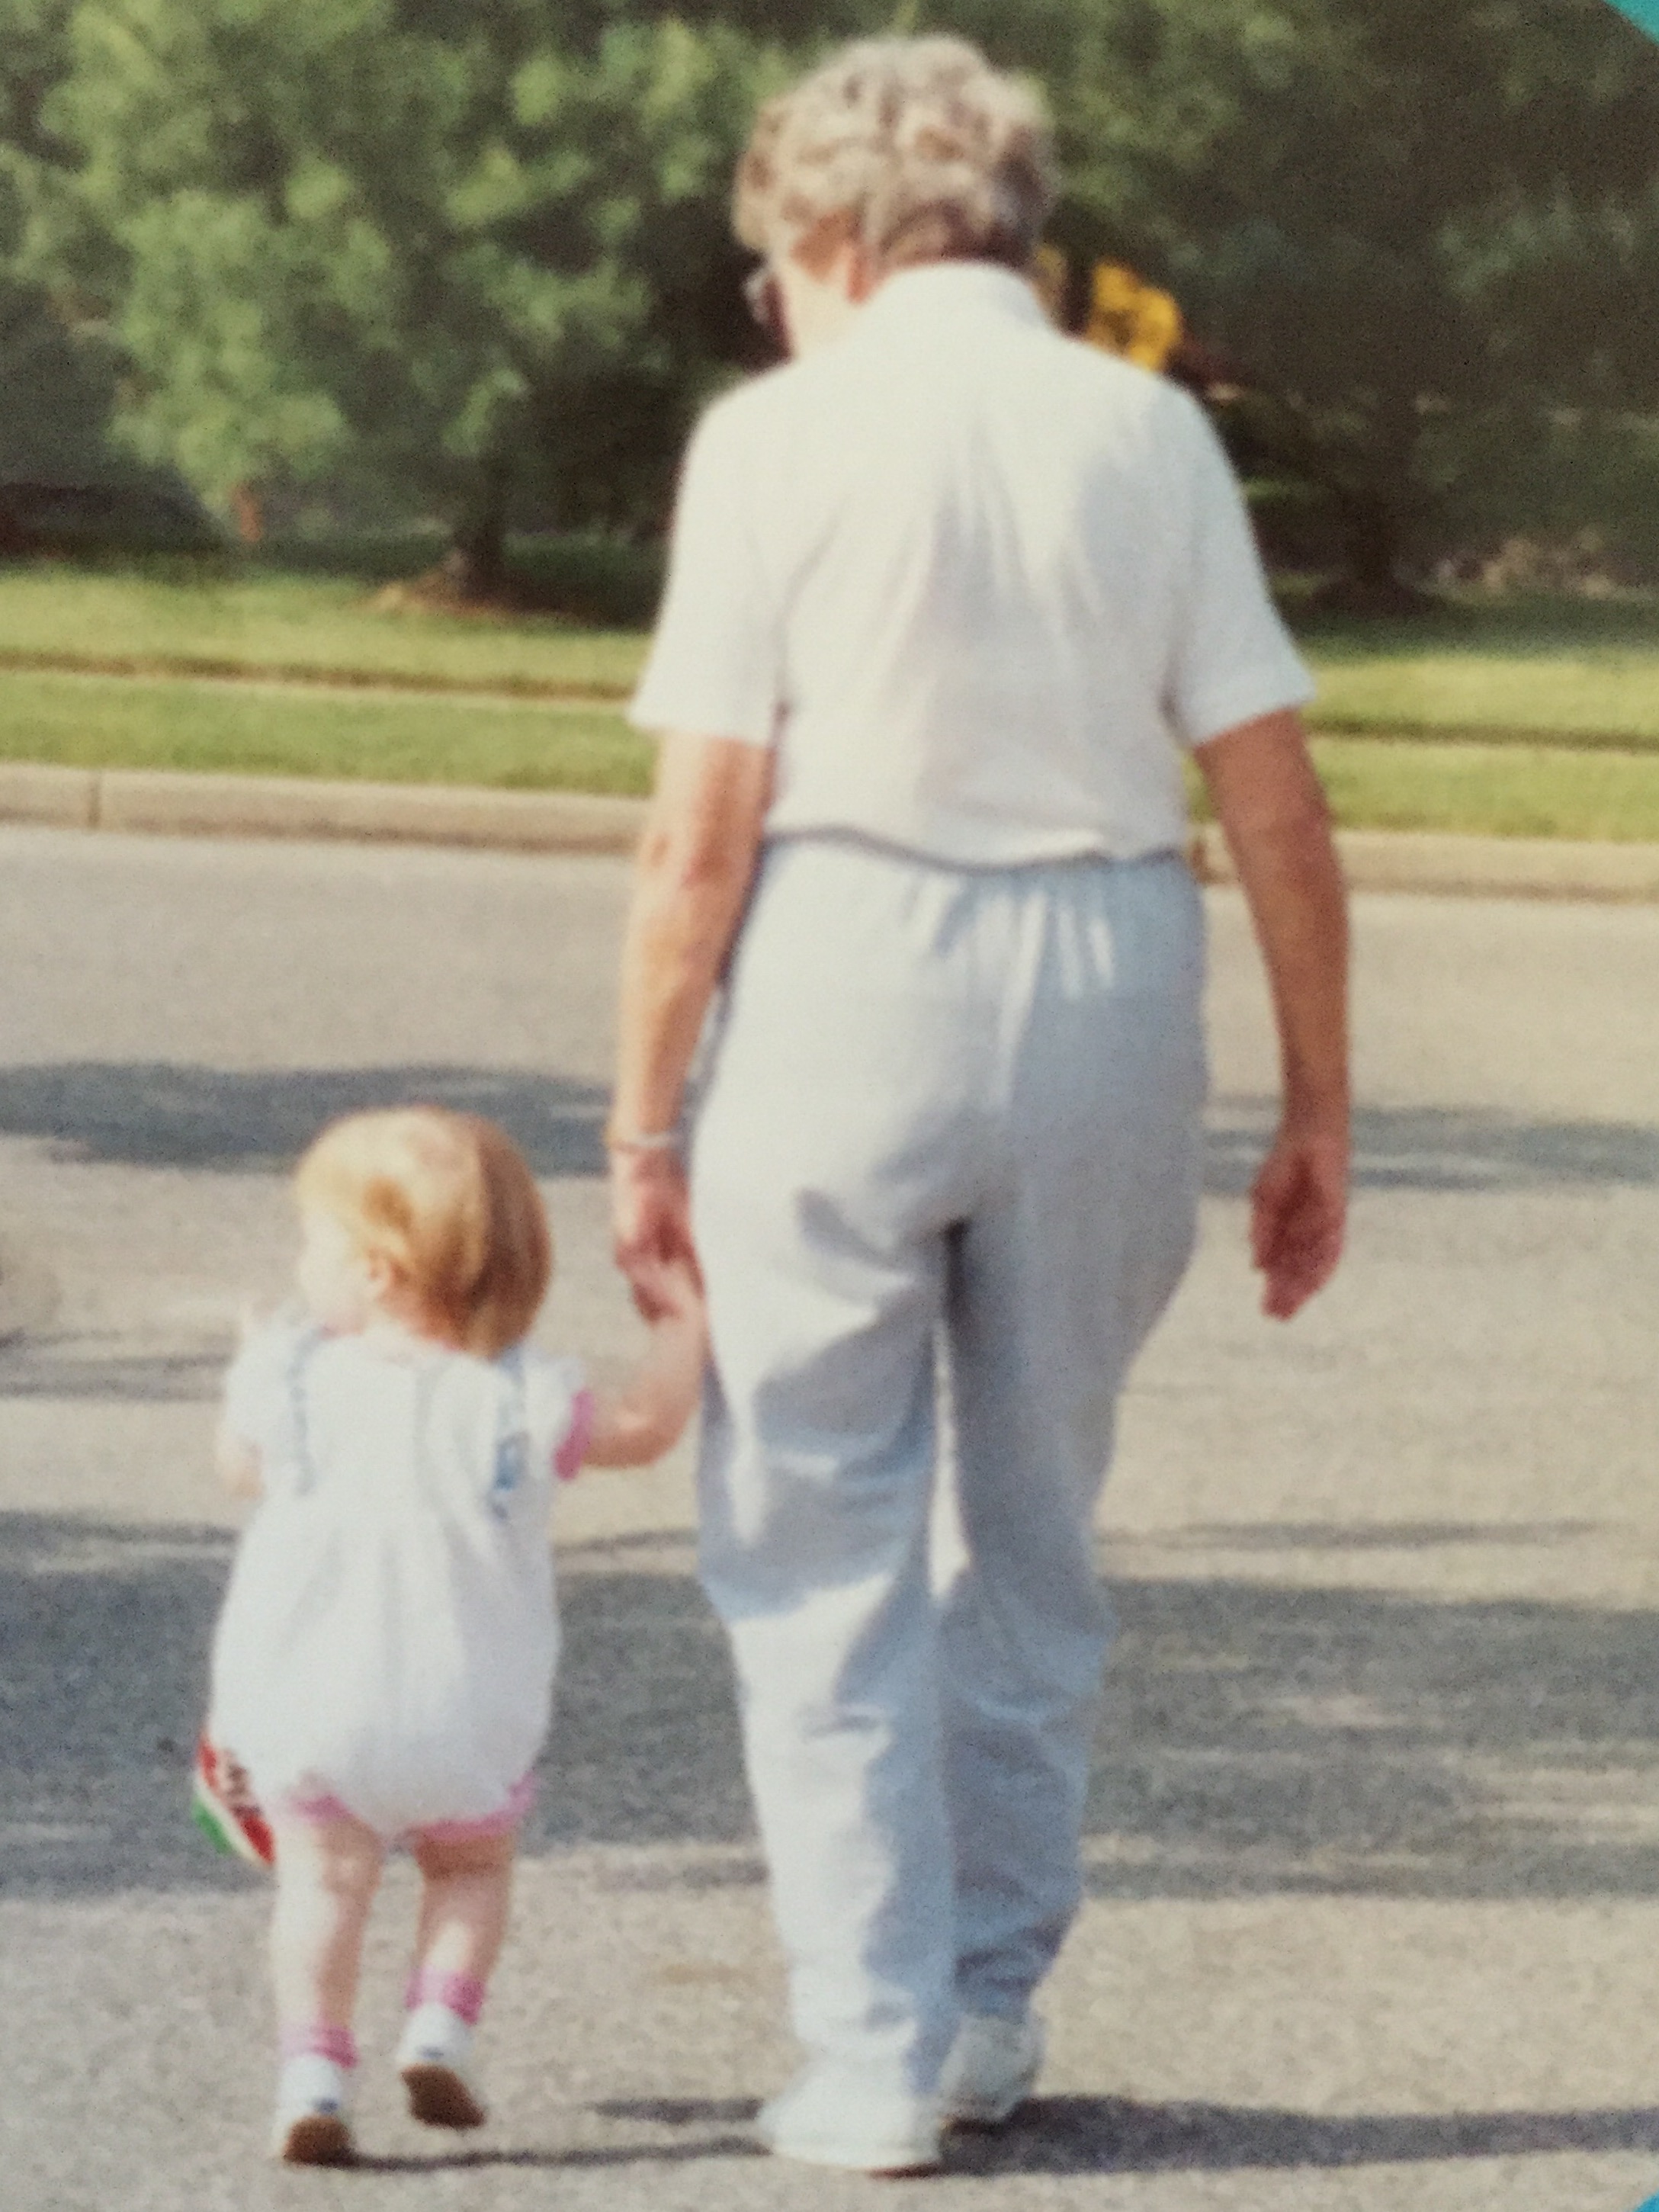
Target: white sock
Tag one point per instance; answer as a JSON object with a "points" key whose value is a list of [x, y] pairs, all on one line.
{"points": [[310, 2083], [434, 2036]]}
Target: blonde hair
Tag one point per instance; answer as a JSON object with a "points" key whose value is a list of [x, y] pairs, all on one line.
{"points": [[448, 1202], [916, 147]]}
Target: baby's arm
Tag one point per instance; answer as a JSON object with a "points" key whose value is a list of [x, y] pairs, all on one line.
{"points": [[639, 1423], [238, 1463]]}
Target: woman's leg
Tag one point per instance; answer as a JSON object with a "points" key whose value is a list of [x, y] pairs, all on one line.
{"points": [[829, 1154], [816, 1476], [1056, 1281]]}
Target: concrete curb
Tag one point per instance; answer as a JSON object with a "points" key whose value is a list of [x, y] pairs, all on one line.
{"points": [[1491, 867], [171, 803], [168, 802]]}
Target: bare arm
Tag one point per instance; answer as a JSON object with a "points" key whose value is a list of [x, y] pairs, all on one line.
{"points": [[237, 1465], [642, 1420], [696, 863], [1271, 807]]}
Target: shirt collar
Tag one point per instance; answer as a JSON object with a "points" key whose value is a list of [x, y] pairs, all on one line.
{"points": [[940, 288]]}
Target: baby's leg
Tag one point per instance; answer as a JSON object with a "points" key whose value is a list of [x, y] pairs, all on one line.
{"points": [[467, 1885], [467, 1881], [328, 1868], [328, 1871]]}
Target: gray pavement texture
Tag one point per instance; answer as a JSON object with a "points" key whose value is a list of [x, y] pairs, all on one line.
{"points": [[1373, 1851]]}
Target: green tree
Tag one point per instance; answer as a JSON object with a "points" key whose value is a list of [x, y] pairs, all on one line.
{"points": [[342, 238], [1420, 228], [482, 255], [58, 390]]}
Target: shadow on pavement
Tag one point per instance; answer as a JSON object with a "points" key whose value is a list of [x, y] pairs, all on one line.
{"points": [[1443, 1149], [1111, 2135], [1115, 2135], [1257, 1739], [102, 1364], [158, 1114], [163, 1114], [1366, 1536], [554, 2161]]}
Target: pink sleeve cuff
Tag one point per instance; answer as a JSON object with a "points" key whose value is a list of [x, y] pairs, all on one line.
{"points": [[573, 1446]]}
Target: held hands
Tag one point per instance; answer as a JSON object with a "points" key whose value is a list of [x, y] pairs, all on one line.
{"points": [[651, 1230], [636, 1424], [1298, 1210]]}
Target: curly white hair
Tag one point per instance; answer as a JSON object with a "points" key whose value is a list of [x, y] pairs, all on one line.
{"points": [[917, 147]]}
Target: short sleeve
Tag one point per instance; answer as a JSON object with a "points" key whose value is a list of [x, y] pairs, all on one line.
{"points": [[258, 1407], [559, 1409], [1231, 658], [715, 665]]}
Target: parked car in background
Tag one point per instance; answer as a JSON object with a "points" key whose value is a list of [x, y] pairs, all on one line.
{"points": [[142, 514]]}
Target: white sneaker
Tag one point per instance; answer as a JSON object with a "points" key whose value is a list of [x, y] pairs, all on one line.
{"points": [[432, 2059], [313, 2125], [992, 2067], [822, 2121]]}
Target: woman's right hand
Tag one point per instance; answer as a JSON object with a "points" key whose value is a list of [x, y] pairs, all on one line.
{"points": [[650, 1226]]}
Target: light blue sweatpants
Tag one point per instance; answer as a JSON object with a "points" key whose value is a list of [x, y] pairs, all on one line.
{"points": [[945, 1180]]}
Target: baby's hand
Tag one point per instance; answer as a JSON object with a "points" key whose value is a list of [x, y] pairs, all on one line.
{"points": [[239, 1465], [680, 1290], [640, 1422], [667, 1289]]}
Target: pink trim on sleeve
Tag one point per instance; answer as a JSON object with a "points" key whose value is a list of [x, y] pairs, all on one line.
{"points": [[572, 1449]]}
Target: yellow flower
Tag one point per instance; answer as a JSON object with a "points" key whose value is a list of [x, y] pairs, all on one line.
{"points": [[1129, 317]]}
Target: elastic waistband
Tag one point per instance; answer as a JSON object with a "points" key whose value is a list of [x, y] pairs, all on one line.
{"points": [[876, 848]]}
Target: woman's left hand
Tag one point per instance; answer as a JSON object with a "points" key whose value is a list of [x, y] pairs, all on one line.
{"points": [[1298, 1213], [650, 1224]]}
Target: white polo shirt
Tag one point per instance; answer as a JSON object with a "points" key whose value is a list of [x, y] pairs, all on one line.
{"points": [[978, 583]]}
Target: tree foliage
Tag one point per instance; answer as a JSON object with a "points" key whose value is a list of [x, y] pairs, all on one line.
{"points": [[1402, 221], [354, 239], [478, 259], [57, 391]]}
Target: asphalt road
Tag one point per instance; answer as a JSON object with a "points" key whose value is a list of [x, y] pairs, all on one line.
{"points": [[1374, 1847]]}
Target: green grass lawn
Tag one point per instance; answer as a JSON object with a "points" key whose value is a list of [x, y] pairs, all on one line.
{"points": [[1501, 790], [1510, 790], [1584, 669], [171, 620], [1530, 718], [1580, 669], [106, 722]]}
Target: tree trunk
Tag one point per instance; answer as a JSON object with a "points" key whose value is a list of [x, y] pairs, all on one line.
{"points": [[1371, 543], [475, 566], [248, 510]]}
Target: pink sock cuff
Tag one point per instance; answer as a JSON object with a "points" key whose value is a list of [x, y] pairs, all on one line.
{"points": [[320, 2041], [464, 1994]]}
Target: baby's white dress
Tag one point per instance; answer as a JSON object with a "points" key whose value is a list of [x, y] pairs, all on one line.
{"points": [[389, 1635]]}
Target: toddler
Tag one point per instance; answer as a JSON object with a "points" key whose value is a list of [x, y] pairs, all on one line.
{"points": [[383, 1667]]}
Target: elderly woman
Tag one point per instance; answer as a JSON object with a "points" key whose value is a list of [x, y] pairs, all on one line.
{"points": [[948, 594]]}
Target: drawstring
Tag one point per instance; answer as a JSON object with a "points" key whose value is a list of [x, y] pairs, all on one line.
{"points": [[512, 1436], [299, 1358]]}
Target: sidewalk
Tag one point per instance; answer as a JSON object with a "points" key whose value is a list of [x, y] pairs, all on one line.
{"points": [[173, 803]]}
